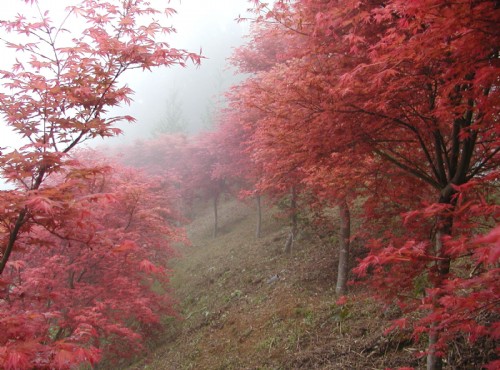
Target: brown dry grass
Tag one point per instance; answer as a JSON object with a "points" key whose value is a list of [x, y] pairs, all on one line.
{"points": [[235, 316]]}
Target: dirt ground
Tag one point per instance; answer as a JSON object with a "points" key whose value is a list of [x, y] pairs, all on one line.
{"points": [[247, 305]]}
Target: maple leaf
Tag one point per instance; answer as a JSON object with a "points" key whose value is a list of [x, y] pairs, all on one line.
{"points": [[17, 265], [14, 360], [125, 246], [147, 266], [490, 254], [341, 301], [64, 358], [41, 204], [127, 21], [492, 365]]}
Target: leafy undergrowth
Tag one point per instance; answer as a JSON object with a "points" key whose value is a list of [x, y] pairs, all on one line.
{"points": [[246, 305]]}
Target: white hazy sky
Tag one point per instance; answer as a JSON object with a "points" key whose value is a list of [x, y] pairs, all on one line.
{"points": [[206, 24]]}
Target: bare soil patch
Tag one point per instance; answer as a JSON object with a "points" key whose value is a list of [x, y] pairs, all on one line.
{"points": [[246, 305]]}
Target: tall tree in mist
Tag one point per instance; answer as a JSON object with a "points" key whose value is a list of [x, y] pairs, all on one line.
{"points": [[413, 89], [59, 91], [173, 120], [85, 292], [57, 95]]}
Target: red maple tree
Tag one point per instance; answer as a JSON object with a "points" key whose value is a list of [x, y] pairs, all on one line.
{"points": [[88, 279], [192, 166], [87, 242], [60, 89], [413, 89]]}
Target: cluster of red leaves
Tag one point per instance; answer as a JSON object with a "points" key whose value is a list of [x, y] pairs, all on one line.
{"points": [[62, 84], [418, 143], [190, 166], [395, 103], [83, 283], [80, 245]]}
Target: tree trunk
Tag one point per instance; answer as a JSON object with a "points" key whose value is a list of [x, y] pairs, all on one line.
{"points": [[344, 244], [21, 219], [294, 222], [216, 217], [433, 362], [259, 217], [443, 230]]}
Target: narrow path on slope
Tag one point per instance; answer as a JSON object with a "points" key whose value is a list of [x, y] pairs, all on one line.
{"points": [[246, 305]]}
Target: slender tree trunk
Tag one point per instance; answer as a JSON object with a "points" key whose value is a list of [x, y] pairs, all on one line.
{"points": [[259, 217], [444, 225], [443, 230], [344, 244], [294, 222], [21, 219], [216, 217], [433, 362]]}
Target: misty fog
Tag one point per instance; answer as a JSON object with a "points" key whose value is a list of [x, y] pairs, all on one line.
{"points": [[207, 26]]}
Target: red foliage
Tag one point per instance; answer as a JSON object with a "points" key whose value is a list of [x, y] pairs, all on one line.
{"points": [[193, 167], [397, 103], [87, 243], [87, 274], [58, 93]]}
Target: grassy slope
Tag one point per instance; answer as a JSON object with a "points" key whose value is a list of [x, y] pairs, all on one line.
{"points": [[236, 316]]}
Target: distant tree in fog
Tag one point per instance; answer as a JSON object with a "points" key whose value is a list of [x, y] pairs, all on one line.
{"points": [[173, 120], [221, 79], [208, 115]]}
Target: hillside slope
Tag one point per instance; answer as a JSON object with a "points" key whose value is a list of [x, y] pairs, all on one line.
{"points": [[246, 305]]}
